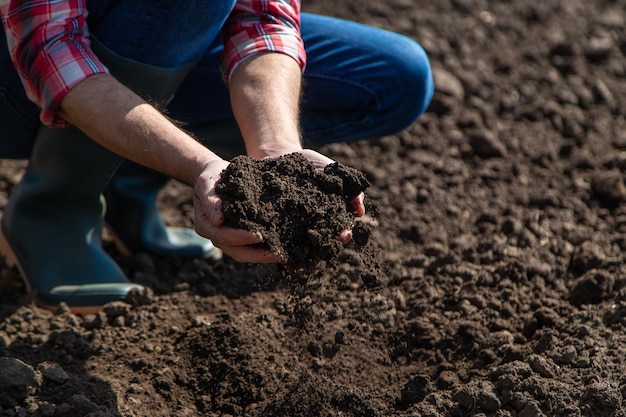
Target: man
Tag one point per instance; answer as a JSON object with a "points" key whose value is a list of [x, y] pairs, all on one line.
{"points": [[106, 78]]}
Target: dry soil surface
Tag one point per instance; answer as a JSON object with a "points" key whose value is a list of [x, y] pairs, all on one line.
{"points": [[498, 219]]}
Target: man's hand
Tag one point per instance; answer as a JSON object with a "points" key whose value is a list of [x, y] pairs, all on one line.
{"points": [[209, 221], [265, 95], [319, 161]]}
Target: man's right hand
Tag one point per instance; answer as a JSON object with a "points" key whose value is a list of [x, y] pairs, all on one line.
{"points": [[209, 221]]}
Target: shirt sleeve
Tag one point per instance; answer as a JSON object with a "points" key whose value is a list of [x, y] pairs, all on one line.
{"points": [[256, 26], [50, 49]]}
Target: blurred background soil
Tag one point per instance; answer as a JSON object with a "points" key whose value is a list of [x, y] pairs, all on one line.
{"points": [[498, 218]]}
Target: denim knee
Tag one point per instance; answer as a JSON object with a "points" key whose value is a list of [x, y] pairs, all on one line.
{"points": [[414, 85]]}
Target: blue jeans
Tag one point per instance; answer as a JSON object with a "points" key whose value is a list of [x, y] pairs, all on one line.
{"points": [[360, 82]]}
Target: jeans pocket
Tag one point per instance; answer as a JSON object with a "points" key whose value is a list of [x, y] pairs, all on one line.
{"points": [[18, 127]]}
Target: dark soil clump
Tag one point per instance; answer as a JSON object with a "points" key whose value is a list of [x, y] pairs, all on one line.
{"points": [[299, 211]]}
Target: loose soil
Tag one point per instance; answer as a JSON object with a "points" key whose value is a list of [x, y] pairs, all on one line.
{"points": [[299, 211], [497, 234]]}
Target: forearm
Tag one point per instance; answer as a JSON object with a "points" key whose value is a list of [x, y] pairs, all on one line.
{"points": [[265, 96], [122, 122]]}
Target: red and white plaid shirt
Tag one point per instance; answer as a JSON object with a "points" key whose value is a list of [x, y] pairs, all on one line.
{"points": [[51, 50]]}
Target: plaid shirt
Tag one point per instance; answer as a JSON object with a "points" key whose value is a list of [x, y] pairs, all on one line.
{"points": [[50, 47]]}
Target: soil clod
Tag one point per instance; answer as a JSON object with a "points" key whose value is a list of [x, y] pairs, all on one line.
{"points": [[299, 211]]}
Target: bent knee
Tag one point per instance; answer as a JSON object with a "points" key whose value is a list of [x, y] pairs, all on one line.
{"points": [[415, 83]]}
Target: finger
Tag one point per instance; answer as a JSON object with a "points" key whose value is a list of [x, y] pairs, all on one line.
{"points": [[235, 243], [209, 208], [252, 255], [318, 160], [345, 236], [358, 206], [216, 215], [231, 237]]}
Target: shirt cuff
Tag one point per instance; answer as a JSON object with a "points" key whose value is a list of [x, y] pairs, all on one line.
{"points": [[252, 41], [60, 69]]}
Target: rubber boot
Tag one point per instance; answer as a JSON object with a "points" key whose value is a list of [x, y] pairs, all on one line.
{"points": [[136, 224], [52, 224]]}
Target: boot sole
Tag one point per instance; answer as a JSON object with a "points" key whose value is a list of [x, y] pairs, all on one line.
{"points": [[11, 261]]}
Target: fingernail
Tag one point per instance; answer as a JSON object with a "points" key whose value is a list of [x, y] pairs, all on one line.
{"points": [[345, 236]]}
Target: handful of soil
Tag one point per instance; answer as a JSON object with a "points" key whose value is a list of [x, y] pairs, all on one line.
{"points": [[299, 211]]}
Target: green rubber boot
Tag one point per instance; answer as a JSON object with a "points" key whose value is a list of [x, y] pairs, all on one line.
{"points": [[134, 220], [132, 215], [52, 224]]}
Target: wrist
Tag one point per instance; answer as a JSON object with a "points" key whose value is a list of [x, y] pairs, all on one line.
{"points": [[272, 149]]}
